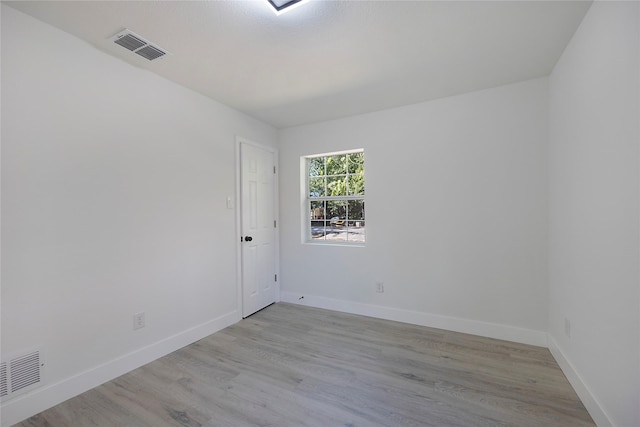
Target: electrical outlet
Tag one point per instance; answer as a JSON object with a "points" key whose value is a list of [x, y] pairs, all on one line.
{"points": [[567, 327], [138, 321], [379, 287]]}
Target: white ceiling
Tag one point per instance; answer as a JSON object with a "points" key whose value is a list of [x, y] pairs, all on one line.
{"points": [[329, 59]]}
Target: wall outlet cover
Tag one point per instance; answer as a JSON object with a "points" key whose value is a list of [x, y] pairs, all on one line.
{"points": [[138, 321]]}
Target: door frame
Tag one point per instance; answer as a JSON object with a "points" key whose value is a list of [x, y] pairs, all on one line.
{"points": [[238, 216]]}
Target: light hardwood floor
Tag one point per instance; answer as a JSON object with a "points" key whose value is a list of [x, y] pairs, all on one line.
{"points": [[290, 365]]}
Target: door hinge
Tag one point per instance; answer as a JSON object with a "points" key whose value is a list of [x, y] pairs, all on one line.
{"points": [[274, 169], [275, 279], [274, 223]]}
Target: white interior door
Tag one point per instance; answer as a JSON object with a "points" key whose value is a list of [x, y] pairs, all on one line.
{"points": [[258, 228]]}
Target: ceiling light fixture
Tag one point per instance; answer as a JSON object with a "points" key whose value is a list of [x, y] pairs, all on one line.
{"points": [[282, 6]]}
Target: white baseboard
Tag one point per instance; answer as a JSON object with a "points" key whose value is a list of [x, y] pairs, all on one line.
{"points": [[599, 415], [29, 404], [474, 327]]}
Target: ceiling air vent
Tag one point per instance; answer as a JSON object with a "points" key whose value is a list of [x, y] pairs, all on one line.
{"points": [[136, 44]]}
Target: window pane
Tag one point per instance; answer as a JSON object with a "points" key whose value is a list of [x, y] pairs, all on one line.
{"points": [[317, 210], [337, 165], [355, 163], [316, 166], [355, 231], [356, 210], [356, 185], [337, 185], [336, 211], [318, 230], [316, 187], [336, 234]]}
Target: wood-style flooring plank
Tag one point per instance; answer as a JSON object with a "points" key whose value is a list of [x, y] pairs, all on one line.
{"points": [[290, 365]]}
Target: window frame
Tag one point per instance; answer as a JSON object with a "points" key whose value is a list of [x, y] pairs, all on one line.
{"points": [[307, 200]]}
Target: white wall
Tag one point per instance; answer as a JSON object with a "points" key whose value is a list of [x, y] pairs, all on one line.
{"points": [[114, 184], [594, 212], [456, 210], [113, 201]]}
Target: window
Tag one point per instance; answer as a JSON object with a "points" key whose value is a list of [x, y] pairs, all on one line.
{"points": [[334, 207]]}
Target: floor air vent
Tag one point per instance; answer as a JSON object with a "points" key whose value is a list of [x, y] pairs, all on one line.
{"points": [[4, 382], [21, 374], [138, 45]]}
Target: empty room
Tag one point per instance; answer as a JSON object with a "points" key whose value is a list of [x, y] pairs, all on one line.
{"points": [[320, 213]]}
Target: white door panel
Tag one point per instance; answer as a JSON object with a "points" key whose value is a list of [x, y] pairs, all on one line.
{"points": [[258, 228]]}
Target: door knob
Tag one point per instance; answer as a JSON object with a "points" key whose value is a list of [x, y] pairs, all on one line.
{"points": [[248, 238]]}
